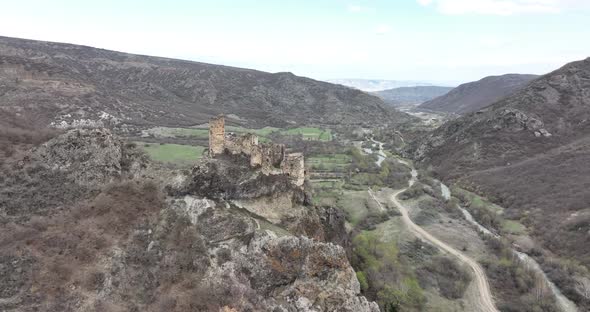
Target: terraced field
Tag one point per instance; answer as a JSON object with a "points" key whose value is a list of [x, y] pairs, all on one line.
{"points": [[335, 162], [310, 133]]}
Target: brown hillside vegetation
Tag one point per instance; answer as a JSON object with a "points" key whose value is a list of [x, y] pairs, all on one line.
{"points": [[473, 96], [529, 153], [64, 82], [411, 95], [88, 224], [18, 134]]}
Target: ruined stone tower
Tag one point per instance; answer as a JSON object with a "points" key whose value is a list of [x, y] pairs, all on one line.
{"points": [[270, 158], [216, 135], [293, 165]]}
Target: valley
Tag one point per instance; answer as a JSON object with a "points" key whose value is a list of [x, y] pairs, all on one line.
{"points": [[139, 183]]}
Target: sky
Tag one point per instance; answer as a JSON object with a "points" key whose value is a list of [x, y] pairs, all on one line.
{"points": [[450, 41]]}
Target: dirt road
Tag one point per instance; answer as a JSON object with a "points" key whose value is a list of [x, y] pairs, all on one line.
{"points": [[485, 295]]}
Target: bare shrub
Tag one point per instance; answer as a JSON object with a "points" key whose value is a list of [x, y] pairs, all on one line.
{"points": [[450, 278], [67, 242]]}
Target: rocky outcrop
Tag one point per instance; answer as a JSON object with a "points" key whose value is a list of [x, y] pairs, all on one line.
{"points": [[90, 156], [65, 168], [235, 179], [515, 120], [142, 238]]}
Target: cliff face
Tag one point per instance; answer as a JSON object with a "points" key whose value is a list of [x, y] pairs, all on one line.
{"points": [[88, 224]]}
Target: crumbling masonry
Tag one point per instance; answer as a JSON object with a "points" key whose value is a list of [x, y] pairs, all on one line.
{"points": [[270, 158]]}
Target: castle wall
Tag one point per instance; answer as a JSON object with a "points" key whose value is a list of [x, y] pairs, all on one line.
{"points": [[273, 155], [293, 165], [246, 144], [270, 158], [216, 135], [256, 156]]}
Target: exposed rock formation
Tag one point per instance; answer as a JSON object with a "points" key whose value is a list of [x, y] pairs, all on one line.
{"points": [[108, 239], [90, 156]]}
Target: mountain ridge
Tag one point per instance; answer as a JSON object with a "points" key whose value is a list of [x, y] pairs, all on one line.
{"points": [[411, 95], [473, 96], [374, 85], [529, 152], [55, 82]]}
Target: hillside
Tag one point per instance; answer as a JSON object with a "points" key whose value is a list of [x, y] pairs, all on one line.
{"points": [[473, 96], [373, 85], [411, 95], [63, 83], [530, 153], [89, 223]]}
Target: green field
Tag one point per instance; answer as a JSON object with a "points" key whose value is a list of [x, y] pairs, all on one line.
{"points": [[262, 132], [172, 153], [308, 133], [355, 204], [335, 162], [513, 227], [477, 200], [179, 132], [327, 184]]}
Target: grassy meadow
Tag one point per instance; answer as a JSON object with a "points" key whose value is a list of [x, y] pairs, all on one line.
{"points": [[265, 134], [175, 154]]}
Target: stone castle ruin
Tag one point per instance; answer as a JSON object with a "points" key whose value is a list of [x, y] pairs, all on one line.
{"points": [[269, 157]]}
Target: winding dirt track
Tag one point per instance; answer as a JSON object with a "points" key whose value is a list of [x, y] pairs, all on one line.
{"points": [[485, 295]]}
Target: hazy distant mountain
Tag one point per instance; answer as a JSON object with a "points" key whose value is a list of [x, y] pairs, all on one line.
{"points": [[530, 152], [372, 85], [411, 95], [473, 96], [56, 82]]}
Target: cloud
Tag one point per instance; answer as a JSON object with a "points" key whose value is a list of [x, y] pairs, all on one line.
{"points": [[383, 29], [355, 8], [502, 7], [492, 42]]}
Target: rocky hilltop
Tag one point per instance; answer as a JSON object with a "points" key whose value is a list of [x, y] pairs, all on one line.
{"points": [[473, 96], [530, 153], [76, 85], [87, 223]]}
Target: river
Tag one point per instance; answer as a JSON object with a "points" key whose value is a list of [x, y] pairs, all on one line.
{"points": [[380, 154]]}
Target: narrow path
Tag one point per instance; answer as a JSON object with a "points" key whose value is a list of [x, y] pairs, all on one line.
{"points": [[376, 200], [563, 303], [485, 295], [381, 153]]}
